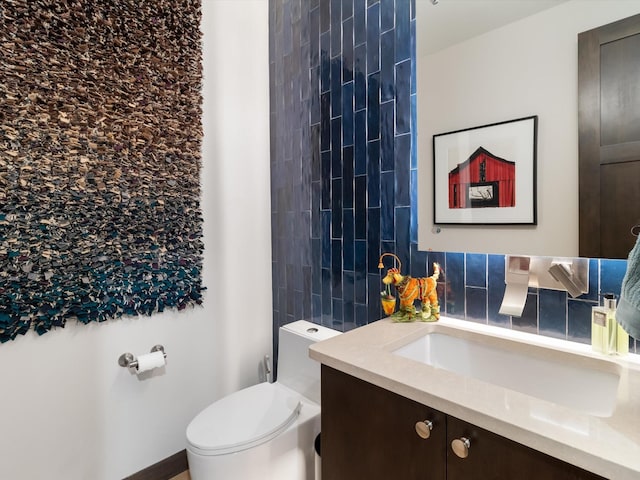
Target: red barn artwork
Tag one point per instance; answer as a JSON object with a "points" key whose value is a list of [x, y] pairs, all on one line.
{"points": [[483, 180]]}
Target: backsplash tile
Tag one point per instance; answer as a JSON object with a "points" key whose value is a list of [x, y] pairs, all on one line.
{"points": [[344, 183]]}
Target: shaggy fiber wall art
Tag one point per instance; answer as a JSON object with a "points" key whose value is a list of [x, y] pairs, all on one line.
{"points": [[100, 134]]}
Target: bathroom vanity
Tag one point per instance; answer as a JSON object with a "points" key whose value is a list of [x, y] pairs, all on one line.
{"points": [[453, 400]]}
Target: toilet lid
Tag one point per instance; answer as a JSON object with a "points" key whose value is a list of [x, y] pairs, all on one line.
{"points": [[243, 419]]}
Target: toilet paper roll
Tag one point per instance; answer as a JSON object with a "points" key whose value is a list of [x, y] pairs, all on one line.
{"points": [[150, 361]]}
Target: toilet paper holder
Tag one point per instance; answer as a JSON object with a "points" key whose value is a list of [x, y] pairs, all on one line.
{"points": [[129, 360]]}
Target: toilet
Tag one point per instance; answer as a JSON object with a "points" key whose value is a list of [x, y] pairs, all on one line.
{"points": [[265, 431]]}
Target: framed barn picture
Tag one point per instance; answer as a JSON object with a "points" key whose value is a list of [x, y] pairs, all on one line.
{"points": [[486, 175]]}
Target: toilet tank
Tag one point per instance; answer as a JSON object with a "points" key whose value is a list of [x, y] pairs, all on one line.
{"points": [[295, 369]]}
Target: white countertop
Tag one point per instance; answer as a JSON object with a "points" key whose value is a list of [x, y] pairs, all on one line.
{"points": [[606, 446]]}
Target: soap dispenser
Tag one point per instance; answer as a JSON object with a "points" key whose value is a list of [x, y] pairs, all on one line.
{"points": [[607, 336], [599, 329]]}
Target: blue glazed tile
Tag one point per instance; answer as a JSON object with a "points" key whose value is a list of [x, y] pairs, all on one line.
{"points": [[326, 294], [413, 9], [298, 304], [360, 287], [373, 239], [403, 97], [347, 9], [286, 29], [306, 290], [336, 87], [325, 63], [387, 246], [373, 106], [374, 287], [336, 30], [418, 262], [359, 22], [403, 220], [314, 113], [326, 239], [336, 269], [579, 321], [325, 158], [360, 206], [362, 313], [476, 302], [316, 308], [403, 170], [594, 282], [373, 174], [348, 240], [316, 168], [325, 17], [387, 210], [387, 132], [387, 15], [316, 248], [413, 59], [360, 76], [476, 265], [347, 50], [413, 188], [373, 38], [495, 290], [403, 31], [337, 324], [414, 135], [360, 143], [325, 121], [387, 66], [348, 314], [347, 177], [611, 275], [360, 259], [336, 208], [528, 322], [552, 313], [454, 269], [336, 147], [347, 114]]}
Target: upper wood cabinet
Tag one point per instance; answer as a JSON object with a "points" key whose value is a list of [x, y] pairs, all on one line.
{"points": [[609, 138]]}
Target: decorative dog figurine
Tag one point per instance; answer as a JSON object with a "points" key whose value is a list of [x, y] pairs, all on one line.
{"points": [[410, 289]]}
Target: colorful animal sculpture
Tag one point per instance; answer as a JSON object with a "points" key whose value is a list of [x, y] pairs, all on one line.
{"points": [[411, 289]]}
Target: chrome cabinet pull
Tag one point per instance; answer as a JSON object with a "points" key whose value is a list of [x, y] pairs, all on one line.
{"points": [[460, 447], [423, 428]]}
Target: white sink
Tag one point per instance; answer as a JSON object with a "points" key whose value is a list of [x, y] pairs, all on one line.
{"points": [[579, 382]]}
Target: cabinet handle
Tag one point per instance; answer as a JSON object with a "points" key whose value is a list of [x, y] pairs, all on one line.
{"points": [[460, 447], [423, 429]]}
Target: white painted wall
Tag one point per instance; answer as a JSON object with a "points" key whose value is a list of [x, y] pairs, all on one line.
{"points": [[528, 67], [68, 411]]}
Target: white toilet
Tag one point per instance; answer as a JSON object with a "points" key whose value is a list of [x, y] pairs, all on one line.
{"points": [[266, 431]]}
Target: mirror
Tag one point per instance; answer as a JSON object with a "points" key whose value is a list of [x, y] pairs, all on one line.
{"points": [[522, 63]]}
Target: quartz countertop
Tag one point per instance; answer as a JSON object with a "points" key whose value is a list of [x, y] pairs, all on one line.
{"points": [[607, 446]]}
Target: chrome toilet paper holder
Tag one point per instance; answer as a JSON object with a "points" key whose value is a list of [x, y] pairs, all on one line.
{"points": [[129, 360]]}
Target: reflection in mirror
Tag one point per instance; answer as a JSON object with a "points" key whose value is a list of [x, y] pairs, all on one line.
{"points": [[524, 64]]}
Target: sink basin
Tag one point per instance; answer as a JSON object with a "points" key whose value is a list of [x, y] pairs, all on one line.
{"points": [[567, 379]]}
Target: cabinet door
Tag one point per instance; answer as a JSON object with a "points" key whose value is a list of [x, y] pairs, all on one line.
{"points": [[609, 138], [491, 456], [369, 433]]}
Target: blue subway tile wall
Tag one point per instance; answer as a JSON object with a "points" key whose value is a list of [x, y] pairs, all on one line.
{"points": [[344, 179]]}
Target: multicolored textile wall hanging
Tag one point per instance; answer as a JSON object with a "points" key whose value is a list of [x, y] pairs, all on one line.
{"points": [[100, 135]]}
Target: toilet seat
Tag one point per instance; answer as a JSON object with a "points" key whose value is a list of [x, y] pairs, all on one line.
{"points": [[243, 419]]}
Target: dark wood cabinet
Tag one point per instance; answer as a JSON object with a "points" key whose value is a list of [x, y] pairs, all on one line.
{"points": [[370, 433], [492, 456]]}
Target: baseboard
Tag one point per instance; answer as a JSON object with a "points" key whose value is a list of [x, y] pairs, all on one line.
{"points": [[164, 469]]}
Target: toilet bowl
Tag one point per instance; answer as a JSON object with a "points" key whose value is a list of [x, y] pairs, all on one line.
{"points": [[265, 431]]}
